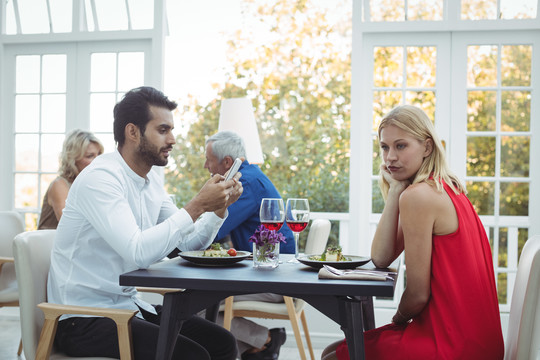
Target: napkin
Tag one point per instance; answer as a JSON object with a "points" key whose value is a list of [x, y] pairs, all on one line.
{"points": [[356, 275]]}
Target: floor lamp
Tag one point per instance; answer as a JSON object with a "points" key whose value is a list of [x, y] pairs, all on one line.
{"points": [[237, 115]]}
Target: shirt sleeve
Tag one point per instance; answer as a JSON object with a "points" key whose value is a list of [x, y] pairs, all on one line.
{"points": [[104, 203]]}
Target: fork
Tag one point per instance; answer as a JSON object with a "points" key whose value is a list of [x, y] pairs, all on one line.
{"points": [[333, 270]]}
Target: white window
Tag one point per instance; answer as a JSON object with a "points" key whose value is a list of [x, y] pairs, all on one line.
{"points": [[478, 86]]}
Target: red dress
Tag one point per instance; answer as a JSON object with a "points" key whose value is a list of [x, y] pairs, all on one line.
{"points": [[461, 319]]}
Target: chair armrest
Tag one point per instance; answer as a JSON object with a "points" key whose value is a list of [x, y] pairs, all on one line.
{"points": [[4, 259], [52, 312], [161, 291]]}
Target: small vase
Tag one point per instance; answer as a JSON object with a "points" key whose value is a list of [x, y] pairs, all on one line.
{"points": [[266, 256]]}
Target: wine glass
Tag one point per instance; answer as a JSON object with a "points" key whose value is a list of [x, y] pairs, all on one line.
{"points": [[272, 213], [297, 217]]}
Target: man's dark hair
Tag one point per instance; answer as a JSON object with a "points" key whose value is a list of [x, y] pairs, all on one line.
{"points": [[135, 108]]}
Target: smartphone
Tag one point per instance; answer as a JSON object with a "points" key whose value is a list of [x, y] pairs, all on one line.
{"points": [[234, 169]]}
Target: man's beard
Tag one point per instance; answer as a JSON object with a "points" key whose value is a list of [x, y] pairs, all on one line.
{"points": [[150, 154]]}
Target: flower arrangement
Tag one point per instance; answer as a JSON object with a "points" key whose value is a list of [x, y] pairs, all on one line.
{"points": [[266, 241]]}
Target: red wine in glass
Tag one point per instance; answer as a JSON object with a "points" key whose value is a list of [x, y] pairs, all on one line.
{"points": [[273, 225], [297, 226]]}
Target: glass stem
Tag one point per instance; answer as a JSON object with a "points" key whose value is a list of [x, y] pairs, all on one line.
{"points": [[296, 237]]}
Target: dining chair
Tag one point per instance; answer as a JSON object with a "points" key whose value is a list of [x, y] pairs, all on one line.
{"points": [[523, 336], [292, 308], [32, 252], [11, 224]]}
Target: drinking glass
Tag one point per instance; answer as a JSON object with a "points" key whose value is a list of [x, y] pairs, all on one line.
{"points": [[297, 217], [272, 213]]}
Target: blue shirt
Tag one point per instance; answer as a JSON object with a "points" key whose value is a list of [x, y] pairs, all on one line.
{"points": [[243, 217]]}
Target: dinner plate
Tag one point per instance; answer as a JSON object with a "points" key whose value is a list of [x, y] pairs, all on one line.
{"points": [[317, 264], [198, 258]]}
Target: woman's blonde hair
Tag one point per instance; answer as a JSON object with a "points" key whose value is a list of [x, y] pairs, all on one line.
{"points": [[416, 123], [74, 147]]}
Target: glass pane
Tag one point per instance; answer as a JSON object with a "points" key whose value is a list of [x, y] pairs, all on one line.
{"points": [[103, 72], [26, 186], [27, 73], [11, 25], [30, 221], [519, 9], [26, 152], [383, 102], [478, 9], [482, 65], [101, 112], [515, 110], [421, 66], [111, 14], [377, 201], [53, 113], [46, 180], [514, 199], [482, 196], [424, 100], [61, 14], [107, 140], [377, 160], [142, 14], [130, 70], [34, 18], [387, 10], [481, 110], [51, 147], [388, 66], [480, 156], [515, 155], [425, 10], [27, 113], [54, 73], [502, 258], [516, 65], [523, 235], [502, 281]]}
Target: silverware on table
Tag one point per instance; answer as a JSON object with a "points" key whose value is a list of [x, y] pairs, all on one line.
{"points": [[386, 274]]}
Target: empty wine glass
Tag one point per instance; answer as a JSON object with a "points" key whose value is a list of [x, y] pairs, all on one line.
{"points": [[297, 217], [272, 213]]}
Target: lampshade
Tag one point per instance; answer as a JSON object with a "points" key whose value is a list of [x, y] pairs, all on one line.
{"points": [[237, 115]]}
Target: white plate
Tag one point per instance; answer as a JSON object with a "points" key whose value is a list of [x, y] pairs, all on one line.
{"points": [[354, 262], [197, 257]]}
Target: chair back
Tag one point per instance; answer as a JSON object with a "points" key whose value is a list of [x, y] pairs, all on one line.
{"points": [[318, 237], [11, 224], [523, 337], [32, 252]]}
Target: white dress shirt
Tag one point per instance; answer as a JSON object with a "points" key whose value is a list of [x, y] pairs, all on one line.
{"points": [[116, 221]]}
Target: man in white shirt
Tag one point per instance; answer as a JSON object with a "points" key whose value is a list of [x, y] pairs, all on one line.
{"points": [[118, 218]]}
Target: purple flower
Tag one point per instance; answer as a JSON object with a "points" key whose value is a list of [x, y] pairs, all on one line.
{"points": [[264, 236]]}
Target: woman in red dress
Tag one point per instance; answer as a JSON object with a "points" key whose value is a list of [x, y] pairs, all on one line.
{"points": [[449, 309]]}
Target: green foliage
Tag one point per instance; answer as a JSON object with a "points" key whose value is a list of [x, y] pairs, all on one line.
{"points": [[299, 83]]}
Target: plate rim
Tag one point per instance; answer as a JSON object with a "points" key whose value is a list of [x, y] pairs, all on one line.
{"points": [[318, 264], [209, 260]]}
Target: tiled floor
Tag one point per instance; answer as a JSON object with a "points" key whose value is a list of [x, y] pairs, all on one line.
{"points": [[10, 334]]}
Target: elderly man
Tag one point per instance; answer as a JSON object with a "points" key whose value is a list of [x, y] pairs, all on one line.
{"points": [[254, 341]]}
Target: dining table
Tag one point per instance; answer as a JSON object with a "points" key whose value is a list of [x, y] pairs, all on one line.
{"points": [[196, 287]]}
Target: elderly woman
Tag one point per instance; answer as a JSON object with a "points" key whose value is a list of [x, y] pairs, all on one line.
{"points": [[79, 149]]}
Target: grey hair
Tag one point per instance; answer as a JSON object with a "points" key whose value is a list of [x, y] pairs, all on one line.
{"points": [[227, 143]]}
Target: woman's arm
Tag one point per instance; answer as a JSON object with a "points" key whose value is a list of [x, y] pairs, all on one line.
{"points": [[58, 193], [418, 211], [388, 240]]}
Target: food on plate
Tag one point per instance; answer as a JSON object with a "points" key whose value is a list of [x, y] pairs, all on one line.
{"points": [[332, 253], [215, 250]]}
